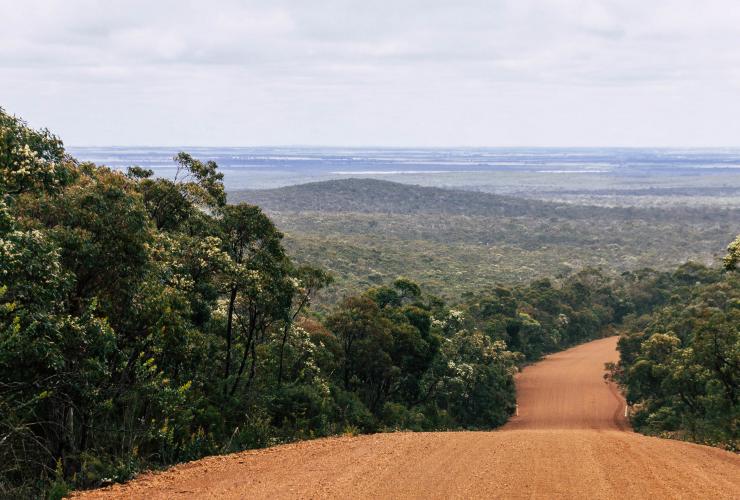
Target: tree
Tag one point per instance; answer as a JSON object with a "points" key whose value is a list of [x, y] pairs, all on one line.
{"points": [[681, 364], [307, 281], [31, 160], [258, 282], [365, 338], [732, 258]]}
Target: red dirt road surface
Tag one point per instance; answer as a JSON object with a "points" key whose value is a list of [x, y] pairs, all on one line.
{"points": [[570, 440]]}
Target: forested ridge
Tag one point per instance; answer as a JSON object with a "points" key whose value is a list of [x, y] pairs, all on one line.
{"points": [[360, 195], [368, 231], [146, 321]]}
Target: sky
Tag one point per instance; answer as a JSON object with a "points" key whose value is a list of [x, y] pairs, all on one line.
{"points": [[423, 73]]}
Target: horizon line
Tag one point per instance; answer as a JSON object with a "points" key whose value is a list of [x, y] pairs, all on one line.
{"points": [[375, 146]]}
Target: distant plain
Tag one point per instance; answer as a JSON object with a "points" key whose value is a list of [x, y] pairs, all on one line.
{"points": [[601, 176]]}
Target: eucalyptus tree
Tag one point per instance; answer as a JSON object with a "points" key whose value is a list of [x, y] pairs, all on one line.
{"points": [[259, 288], [732, 259]]}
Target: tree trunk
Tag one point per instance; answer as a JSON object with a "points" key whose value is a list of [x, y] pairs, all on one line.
{"points": [[249, 343], [229, 330]]}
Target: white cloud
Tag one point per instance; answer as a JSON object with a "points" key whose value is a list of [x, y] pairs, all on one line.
{"points": [[487, 72]]}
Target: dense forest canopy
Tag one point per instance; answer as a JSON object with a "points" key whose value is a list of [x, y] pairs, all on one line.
{"points": [[146, 321], [680, 365]]}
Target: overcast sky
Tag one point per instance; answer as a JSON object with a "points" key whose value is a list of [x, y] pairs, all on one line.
{"points": [[375, 72]]}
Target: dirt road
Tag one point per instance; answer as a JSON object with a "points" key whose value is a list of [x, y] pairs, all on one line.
{"points": [[570, 440], [567, 391]]}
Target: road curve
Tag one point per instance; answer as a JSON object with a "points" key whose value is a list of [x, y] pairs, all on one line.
{"points": [[570, 440]]}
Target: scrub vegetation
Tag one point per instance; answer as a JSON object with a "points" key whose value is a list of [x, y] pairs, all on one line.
{"points": [[369, 231]]}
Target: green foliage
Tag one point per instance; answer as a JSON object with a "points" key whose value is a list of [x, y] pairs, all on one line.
{"points": [[144, 322], [732, 259], [547, 316], [31, 160], [681, 364]]}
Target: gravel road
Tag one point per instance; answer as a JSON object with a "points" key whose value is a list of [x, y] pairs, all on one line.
{"points": [[570, 440]]}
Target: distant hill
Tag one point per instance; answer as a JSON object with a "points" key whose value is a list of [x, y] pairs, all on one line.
{"points": [[379, 196]]}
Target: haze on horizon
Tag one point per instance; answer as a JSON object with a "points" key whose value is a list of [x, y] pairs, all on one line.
{"points": [[353, 73]]}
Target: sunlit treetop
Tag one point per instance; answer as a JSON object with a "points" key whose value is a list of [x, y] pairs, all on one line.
{"points": [[31, 160], [732, 259]]}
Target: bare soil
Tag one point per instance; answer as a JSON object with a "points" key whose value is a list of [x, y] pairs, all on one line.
{"points": [[570, 440]]}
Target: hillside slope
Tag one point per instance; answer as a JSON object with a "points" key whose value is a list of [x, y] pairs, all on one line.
{"points": [[369, 231], [567, 442], [379, 196]]}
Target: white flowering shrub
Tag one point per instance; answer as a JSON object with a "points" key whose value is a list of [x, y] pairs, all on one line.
{"points": [[30, 159]]}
